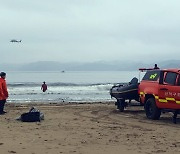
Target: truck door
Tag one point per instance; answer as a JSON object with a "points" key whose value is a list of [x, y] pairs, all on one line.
{"points": [[169, 91]]}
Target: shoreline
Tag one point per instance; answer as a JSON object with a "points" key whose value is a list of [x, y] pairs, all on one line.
{"points": [[91, 128], [61, 102]]}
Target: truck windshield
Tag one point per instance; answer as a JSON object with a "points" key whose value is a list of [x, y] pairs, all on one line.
{"points": [[152, 75]]}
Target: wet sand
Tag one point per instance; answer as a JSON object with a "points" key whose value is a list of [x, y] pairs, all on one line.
{"points": [[87, 129]]}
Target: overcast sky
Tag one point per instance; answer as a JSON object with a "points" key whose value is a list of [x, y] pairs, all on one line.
{"points": [[89, 30]]}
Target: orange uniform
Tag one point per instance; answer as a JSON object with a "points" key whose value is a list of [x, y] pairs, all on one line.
{"points": [[3, 89]]}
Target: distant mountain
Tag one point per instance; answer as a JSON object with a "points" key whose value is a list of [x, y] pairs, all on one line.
{"points": [[170, 64], [94, 66], [42, 66]]}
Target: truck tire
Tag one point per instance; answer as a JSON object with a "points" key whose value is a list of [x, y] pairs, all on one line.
{"points": [[152, 111], [121, 104]]}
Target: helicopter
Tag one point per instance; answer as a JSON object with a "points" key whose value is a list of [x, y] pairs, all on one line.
{"points": [[13, 40]]}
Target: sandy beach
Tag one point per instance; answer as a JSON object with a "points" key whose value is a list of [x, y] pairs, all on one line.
{"points": [[87, 129]]}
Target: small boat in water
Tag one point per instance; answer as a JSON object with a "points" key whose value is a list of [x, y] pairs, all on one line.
{"points": [[125, 92]]}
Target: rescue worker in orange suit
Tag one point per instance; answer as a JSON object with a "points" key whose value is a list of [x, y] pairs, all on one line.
{"points": [[3, 92], [44, 86]]}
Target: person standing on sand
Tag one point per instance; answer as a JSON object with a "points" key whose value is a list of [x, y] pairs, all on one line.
{"points": [[3, 92], [44, 86]]}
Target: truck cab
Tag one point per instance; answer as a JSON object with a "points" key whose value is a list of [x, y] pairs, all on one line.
{"points": [[159, 91]]}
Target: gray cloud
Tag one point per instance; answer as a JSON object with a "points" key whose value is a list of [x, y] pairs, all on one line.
{"points": [[89, 30]]}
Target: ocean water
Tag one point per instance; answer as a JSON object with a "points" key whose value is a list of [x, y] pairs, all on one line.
{"points": [[25, 87]]}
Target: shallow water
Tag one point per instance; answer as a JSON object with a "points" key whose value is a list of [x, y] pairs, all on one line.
{"points": [[25, 87]]}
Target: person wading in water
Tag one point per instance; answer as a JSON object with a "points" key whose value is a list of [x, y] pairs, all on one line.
{"points": [[44, 86]]}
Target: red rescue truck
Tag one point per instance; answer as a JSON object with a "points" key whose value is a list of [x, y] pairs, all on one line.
{"points": [[159, 91]]}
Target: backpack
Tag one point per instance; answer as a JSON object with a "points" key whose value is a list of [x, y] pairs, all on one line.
{"points": [[30, 117], [34, 115]]}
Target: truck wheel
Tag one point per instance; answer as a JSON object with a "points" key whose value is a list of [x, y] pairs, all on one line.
{"points": [[152, 111], [121, 104]]}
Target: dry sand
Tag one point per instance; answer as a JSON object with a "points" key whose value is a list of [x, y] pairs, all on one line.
{"points": [[88, 129]]}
